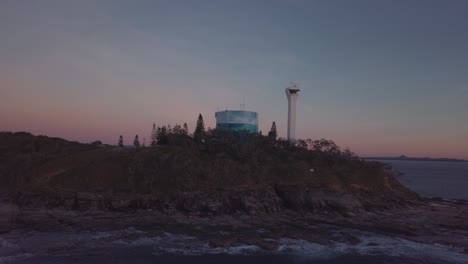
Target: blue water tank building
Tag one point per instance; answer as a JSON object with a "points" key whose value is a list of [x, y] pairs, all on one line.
{"points": [[237, 120]]}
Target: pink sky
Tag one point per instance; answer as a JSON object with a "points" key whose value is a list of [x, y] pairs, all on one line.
{"points": [[377, 83]]}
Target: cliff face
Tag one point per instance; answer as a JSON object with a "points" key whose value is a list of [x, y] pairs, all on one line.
{"points": [[224, 175]]}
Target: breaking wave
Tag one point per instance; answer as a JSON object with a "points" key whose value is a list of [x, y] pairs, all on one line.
{"points": [[370, 245], [15, 249]]}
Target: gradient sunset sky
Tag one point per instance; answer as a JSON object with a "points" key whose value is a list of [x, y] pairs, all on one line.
{"points": [[379, 77]]}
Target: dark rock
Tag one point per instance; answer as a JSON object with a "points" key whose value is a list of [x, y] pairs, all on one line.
{"points": [[395, 228], [8, 216], [223, 242], [267, 244], [298, 197]]}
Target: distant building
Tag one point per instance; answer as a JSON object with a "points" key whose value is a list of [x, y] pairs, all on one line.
{"points": [[237, 120]]}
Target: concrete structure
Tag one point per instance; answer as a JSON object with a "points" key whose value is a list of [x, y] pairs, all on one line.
{"points": [[292, 92], [237, 120]]}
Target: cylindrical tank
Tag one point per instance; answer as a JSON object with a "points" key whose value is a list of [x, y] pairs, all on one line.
{"points": [[237, 120]]}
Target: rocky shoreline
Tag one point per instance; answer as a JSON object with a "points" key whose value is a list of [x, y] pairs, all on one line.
{"points": [[60, 198], [257, 201], [429, 221]]}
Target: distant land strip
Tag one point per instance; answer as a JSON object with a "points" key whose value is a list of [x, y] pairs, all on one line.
{"points": [[403, 157]]}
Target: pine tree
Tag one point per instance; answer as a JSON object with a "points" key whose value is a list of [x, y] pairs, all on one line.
{"points": [[121, 143], [273, 133], [136, 142], [161, 136], [199, 132], [153, 135], [177, 130], [185, 130]]}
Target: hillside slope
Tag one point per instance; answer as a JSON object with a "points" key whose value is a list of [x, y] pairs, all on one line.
{"points": [[224, 174]]}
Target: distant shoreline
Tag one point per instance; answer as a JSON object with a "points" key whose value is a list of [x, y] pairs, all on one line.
{"points": [[416, 159]]}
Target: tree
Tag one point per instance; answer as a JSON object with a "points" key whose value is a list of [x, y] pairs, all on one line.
{"points": [[273, 133], [161, 135], [300, 143], [199, 132], [185, 129], [153, 135], [121, 143], [97, 143], [325, 145], [177, 130], [136, 142]]}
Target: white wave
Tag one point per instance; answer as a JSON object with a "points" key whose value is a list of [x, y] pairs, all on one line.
{"points": [[373, 244], [370, 244], [392, 246], [177, 244], [305, 248], [15, 248], [117, 233]]}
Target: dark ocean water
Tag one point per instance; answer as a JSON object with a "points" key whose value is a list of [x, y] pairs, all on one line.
{"points": [[138, 247], [434, 178]]}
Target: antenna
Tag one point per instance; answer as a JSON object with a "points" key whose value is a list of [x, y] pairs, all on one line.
{"points": [[242, 105], [294, 86]]}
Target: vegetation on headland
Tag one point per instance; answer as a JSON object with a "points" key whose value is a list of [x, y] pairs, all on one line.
{"points": [[300, 174]]}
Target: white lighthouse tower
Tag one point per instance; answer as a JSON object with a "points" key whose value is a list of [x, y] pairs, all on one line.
{"points": [[292, 92]]}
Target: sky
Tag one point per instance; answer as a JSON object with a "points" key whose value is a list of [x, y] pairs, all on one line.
{"points": [[378, 77]]}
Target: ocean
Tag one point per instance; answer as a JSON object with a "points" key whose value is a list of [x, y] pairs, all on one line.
{"points": [[136, 247], [448, 180]]}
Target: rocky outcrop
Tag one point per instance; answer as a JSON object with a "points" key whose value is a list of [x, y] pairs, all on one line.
{"points": [[305, 198], [251, 201], [8, 215], [190, 203]]}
